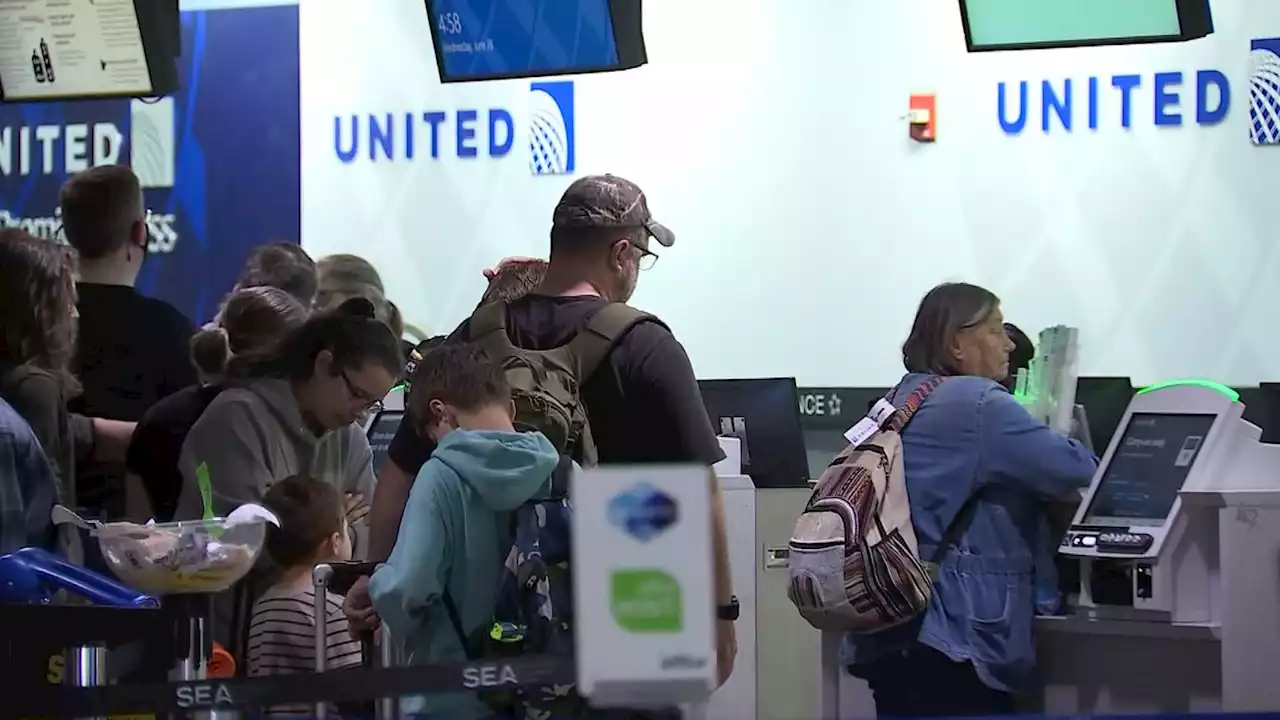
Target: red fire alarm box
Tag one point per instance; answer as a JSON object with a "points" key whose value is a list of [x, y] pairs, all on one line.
{"points": [[922, 114]]}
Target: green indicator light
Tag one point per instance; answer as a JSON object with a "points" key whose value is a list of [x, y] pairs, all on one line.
{"points": [[1206, 384]]}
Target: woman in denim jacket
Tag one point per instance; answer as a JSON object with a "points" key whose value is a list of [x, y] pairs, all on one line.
{"points": [[972, 649]]}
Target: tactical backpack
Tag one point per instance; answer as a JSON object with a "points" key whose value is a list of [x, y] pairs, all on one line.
{"points": [[545, 384], [855, 564], [533, 609]]}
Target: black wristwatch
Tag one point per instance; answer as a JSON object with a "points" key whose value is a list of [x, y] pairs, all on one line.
{"points": [[729, 612]]}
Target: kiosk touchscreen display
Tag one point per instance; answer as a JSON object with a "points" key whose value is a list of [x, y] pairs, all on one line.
{"points": [[1148, 468], [380, 434]]}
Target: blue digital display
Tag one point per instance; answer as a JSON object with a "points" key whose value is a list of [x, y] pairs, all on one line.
{"points": [[1148, 468], [487, 39]]}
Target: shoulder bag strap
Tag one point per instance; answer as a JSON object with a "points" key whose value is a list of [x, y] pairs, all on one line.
{"points": [[956, 530], [455, 620], [591, 345], [908, 409], [964, 517], [488, 329]]}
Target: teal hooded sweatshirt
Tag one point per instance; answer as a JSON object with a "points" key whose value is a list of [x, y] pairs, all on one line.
{"points": [[453, 536]]}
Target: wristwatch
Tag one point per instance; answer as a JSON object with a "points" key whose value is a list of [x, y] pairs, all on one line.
{"points": [[729, 612]]}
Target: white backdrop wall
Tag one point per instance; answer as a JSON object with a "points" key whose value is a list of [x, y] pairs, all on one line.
{"points": [[770, 136]]}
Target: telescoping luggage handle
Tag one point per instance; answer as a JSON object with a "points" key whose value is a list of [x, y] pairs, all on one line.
{"points": [[338, 577]]}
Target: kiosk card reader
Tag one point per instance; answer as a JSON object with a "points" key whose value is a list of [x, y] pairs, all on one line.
{"points": [[1142, 557]]}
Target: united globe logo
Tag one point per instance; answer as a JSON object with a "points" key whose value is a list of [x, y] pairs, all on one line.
{"points": [[1264, 91], [551, 132]]}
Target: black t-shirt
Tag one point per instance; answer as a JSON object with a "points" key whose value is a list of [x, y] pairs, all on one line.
{"points": [[157, 445], [643, 401], [131, 352]]}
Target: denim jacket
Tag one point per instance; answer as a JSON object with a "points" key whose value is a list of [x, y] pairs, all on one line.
{"points": [[971, 437], [28, 487]]}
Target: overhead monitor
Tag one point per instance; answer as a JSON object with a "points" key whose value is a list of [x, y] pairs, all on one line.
{"points": [[500, 39], [86, 49], [1147, 469], [1042, 24], [764, 415]]}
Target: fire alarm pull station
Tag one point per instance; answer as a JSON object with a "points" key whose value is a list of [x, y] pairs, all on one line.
{"points": [[923, 118]]}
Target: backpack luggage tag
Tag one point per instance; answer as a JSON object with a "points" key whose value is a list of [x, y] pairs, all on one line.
{"points": [[868, 426]]}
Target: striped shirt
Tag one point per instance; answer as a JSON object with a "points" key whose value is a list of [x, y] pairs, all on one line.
{"points": [[282, 638]]}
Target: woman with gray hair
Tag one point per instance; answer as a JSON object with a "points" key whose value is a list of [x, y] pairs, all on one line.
{"points": [[343, 277], [978, 471]]}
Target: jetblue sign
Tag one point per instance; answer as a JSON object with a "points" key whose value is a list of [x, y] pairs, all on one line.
{"points": [[1164, 99], [466, 133]]}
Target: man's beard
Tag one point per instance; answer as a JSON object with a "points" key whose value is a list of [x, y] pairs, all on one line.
{"points": [[629, 282]]}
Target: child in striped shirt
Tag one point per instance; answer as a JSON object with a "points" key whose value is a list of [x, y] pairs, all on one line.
{"points": [[312, 530]]}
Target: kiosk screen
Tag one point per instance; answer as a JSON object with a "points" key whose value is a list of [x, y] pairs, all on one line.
{"points": [[1148, 468]]}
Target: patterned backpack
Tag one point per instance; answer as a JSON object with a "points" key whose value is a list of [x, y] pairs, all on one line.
{"points": [[855, 565], [533, 610]]}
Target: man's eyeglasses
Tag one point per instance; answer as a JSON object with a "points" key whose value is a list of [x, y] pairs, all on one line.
{"points": [[647, 259], [373, 406]]}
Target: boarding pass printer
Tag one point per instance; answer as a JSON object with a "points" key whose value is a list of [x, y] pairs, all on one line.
{"points": [[1178, 540]]}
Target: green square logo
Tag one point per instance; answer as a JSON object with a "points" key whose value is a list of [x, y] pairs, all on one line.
{"points": [[646, 601]]}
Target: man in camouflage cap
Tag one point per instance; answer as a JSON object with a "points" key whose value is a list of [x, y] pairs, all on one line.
{"points": [[601, 230], [642, 398]]}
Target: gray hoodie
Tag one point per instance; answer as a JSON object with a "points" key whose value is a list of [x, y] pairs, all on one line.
{"points": [[253, 435]]}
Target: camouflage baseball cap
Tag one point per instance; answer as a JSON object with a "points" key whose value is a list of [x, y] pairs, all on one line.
{"points": [[603, 201]]}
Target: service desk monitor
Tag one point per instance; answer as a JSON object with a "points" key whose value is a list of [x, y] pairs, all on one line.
{"points": [[381, 426], [1142, 556]]}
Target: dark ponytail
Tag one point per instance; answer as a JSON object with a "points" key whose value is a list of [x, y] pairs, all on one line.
{"points": [[350, 332], [209, 350], [249, 328]]}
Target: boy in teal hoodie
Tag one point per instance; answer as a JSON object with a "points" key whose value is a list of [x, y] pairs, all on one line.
{"points": [[458, 510]]}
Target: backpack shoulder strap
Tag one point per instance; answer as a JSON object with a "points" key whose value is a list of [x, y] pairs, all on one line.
{"points": [[455, 619], [954, 532], [908, 408], [591, 345], [488, 329]]}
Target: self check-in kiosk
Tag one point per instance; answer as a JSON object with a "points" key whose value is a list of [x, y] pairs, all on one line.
{"points": [[1141, 555], [1178, 539]]}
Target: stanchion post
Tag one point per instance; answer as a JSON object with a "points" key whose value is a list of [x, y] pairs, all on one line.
{"points": [[86, 666], [388, 707], [320, 577]]}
